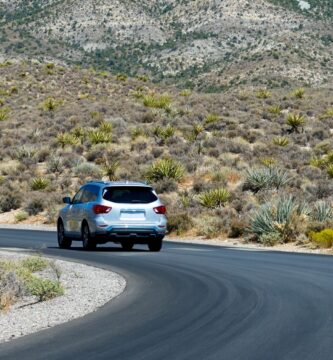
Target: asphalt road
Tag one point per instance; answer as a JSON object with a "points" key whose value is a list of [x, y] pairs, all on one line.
{"points": [[192, 302]]}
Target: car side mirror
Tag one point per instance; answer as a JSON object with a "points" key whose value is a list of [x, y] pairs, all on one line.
{"points": [[67, 200]]}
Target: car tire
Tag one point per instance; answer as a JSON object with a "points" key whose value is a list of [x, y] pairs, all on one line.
{"points": [[127, 245], [155, 245], [63, 241], [88, 242]]}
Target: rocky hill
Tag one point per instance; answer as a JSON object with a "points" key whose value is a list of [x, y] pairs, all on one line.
{"points": [[213, 45]]}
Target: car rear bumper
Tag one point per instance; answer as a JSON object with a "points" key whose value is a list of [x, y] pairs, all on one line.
{"points": [[139, 233]]}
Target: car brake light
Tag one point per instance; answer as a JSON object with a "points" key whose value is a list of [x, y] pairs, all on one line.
{"points": [[160, 209], [101, 209]]}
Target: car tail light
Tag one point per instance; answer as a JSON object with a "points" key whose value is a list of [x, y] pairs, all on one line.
{"points": [[101, 209], [160, 209]]}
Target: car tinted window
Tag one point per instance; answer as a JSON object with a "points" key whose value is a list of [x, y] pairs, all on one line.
{"points": [[129, 195], [90, 193], [78, 197]]}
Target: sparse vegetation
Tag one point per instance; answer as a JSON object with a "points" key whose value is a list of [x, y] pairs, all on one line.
{"points": [[19, 278]]}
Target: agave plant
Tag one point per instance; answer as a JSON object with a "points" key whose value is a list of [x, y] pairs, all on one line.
{"points": [[214, 198], [165, 168], [322, 211], [164, 132], [281, 216], [265, 178], [157, 101]]}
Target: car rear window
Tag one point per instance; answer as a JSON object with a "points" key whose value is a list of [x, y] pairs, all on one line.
{"points": [[129, 195]]}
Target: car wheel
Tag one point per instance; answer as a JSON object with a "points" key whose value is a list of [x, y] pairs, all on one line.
{"points": [[155, 245], [87, 241], [127, 245], [63, 241]]}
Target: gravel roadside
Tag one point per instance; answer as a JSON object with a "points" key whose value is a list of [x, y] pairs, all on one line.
{"points": [[86, 289]]}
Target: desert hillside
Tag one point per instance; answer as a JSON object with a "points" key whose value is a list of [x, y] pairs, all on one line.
{"points": [[210, 45], [221, 162]]}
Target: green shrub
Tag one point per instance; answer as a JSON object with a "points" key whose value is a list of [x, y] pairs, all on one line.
{"points": [[281, 141], [34, 263], [197, 129], [214, 198], [88, 170], [10, 200], [21, 216], [99, 137], [44, 289], [265, 178], [157, 101], [283, 216], [35, 206], [270, 239], [179, 222], [121, 77], [295, 121], [39, 183], [323, 238], [165, 168]]}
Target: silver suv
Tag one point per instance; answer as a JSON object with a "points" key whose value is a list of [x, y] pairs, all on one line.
{"points": [[122, 212]]}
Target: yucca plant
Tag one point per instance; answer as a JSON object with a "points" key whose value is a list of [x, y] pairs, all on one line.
{"points": [[185, 93], [211, 118], [263, 94], [167, 168], [282, 216], [4, 113], [322, 211], [328, 113], [265, 178], [110, 168], [39, 183], [295, 121], [157, 101], [275, 109], [106, 127], [64, 139], [214, 198], [137, 132], [197, 129], [50, 104], [299, 93], [99, 137], [329, 170], [281, 141], [164, 132], [318, 162], [79, 132]]}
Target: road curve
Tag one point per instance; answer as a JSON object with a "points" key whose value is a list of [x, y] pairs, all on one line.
{"points": [[192, 302]]}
